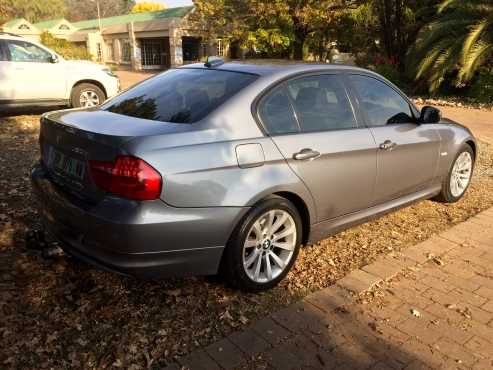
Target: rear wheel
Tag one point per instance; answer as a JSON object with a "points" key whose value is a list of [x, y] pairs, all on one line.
{"points": [[459, 177], [86, 95], [264, 246]]}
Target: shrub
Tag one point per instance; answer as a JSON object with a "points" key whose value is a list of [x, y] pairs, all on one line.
{"points": [[65, 48], [481, 90]]}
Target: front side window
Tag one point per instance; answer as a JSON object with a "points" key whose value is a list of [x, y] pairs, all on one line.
{"points": [[382, 104], [321, 103], [276, 113], [21, 51], [180, 96]]}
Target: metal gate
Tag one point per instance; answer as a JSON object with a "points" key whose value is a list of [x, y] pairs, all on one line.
{"points": [[155, 53]]}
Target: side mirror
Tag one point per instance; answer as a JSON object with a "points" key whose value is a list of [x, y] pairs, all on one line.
{"points": [[54, 58], [430, 115]]}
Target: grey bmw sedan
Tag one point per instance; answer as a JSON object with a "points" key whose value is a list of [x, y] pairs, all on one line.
{"points": [[230, 168]]}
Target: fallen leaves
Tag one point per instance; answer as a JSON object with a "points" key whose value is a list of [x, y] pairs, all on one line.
{"points": [[63, 314]]}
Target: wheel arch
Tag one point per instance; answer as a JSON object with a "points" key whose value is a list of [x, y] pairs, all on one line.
{"points": [[473, 146], [302, 208], [89, 81]]}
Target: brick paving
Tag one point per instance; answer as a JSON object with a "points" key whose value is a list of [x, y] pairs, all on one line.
{"points": [[428, 307]]}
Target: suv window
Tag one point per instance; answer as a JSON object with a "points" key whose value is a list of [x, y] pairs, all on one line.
{"points": [[180, 95], [276, 113], [321, 103], [3, 52], [382, 103], [22, 51]]}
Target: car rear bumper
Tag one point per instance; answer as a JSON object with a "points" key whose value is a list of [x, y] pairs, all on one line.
{"points": [[144, 239]]}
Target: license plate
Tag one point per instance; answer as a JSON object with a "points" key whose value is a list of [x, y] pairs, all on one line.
{"points": [[67, 165]]}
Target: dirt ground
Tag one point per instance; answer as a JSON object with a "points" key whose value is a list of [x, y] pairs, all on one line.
{"points": [[60, 314]]}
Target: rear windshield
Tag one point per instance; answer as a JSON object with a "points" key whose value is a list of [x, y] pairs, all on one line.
{"points": [[179, 95]]}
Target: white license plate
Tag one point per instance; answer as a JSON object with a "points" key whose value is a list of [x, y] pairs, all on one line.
{"points": [[67, 165]]}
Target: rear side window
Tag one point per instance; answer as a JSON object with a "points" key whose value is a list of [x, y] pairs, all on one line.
{"points": [[321, 103], [383, 105], [180, 95], [276, 113]]}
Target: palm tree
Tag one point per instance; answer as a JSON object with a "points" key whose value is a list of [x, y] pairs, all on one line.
{"points": [[460, 40]]}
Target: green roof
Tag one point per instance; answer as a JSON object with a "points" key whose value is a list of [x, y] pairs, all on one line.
{"points": [[136, 17], [14, 22], [48, 24]]}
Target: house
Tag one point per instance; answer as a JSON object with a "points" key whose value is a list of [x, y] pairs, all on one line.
{"points": [[21, 27], [140, 41], [59, 28]]}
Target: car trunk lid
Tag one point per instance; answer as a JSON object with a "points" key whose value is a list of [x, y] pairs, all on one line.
{"points": [[70, 139]]}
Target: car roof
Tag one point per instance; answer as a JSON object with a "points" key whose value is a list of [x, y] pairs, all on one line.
{"points": [[268, 68]]}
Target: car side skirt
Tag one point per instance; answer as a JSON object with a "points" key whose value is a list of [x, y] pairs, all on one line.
{"points": [[19, 103], [330, 227]]}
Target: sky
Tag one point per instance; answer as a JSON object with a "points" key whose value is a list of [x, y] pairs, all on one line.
{"points": [[173, 3]]}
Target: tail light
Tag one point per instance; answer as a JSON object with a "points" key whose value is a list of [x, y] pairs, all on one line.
{"points": [[128, 177]]}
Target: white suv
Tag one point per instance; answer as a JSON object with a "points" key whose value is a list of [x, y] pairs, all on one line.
{"points": [[33, 75]]}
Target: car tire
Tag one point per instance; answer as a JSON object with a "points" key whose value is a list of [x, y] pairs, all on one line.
{"points": [[86, 92], [459, 176], [256, 239]]}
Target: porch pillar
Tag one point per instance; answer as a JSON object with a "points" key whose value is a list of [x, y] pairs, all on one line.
{"points": [[135, 52], [175, 47]]}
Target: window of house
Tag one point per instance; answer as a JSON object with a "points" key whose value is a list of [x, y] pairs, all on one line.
{"points": [[220, 47], [99, 51], [24, 27], [383, 105], [21, 51], [109, 51], [64, 27], [125, 50]]}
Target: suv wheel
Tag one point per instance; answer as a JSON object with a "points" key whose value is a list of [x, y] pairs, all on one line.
{"points": [[264, 246], [459, 177], [87, 95]]}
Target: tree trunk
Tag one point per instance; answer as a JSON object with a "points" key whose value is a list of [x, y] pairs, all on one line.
{"points": [[298, 44]]}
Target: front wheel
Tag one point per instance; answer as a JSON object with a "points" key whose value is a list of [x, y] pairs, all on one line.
{"points": [[459, 177], [264, 246], [87, 95]]}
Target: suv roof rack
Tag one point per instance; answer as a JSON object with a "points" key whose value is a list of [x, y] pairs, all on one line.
{"points": [[10, 34]]}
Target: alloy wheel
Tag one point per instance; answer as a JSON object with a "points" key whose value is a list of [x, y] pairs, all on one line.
{"points": [[461, 174], [89, 98], [269, 246]]}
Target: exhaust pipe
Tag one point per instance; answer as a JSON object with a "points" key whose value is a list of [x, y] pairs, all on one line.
{"points": [[36, 240]]}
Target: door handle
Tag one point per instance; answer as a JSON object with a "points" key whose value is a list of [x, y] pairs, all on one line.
{"points": [[388, 145], [305, 154]]}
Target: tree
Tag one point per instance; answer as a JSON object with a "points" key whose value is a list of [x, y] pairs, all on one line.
{"points": [[78, 10], [459, 40], [143, 7], [272, 25], [32, 10], [391, 24]]}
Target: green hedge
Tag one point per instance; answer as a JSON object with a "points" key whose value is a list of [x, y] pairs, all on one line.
{"points": [[65, 48]]}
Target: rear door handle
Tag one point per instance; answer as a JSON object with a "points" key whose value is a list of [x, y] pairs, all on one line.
{"points": [[388, 145], [305, 154]]}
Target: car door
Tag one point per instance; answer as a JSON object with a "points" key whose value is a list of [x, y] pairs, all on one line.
{"points": [[6, 81], [408, 153], [36, 76], [312, 122]]}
